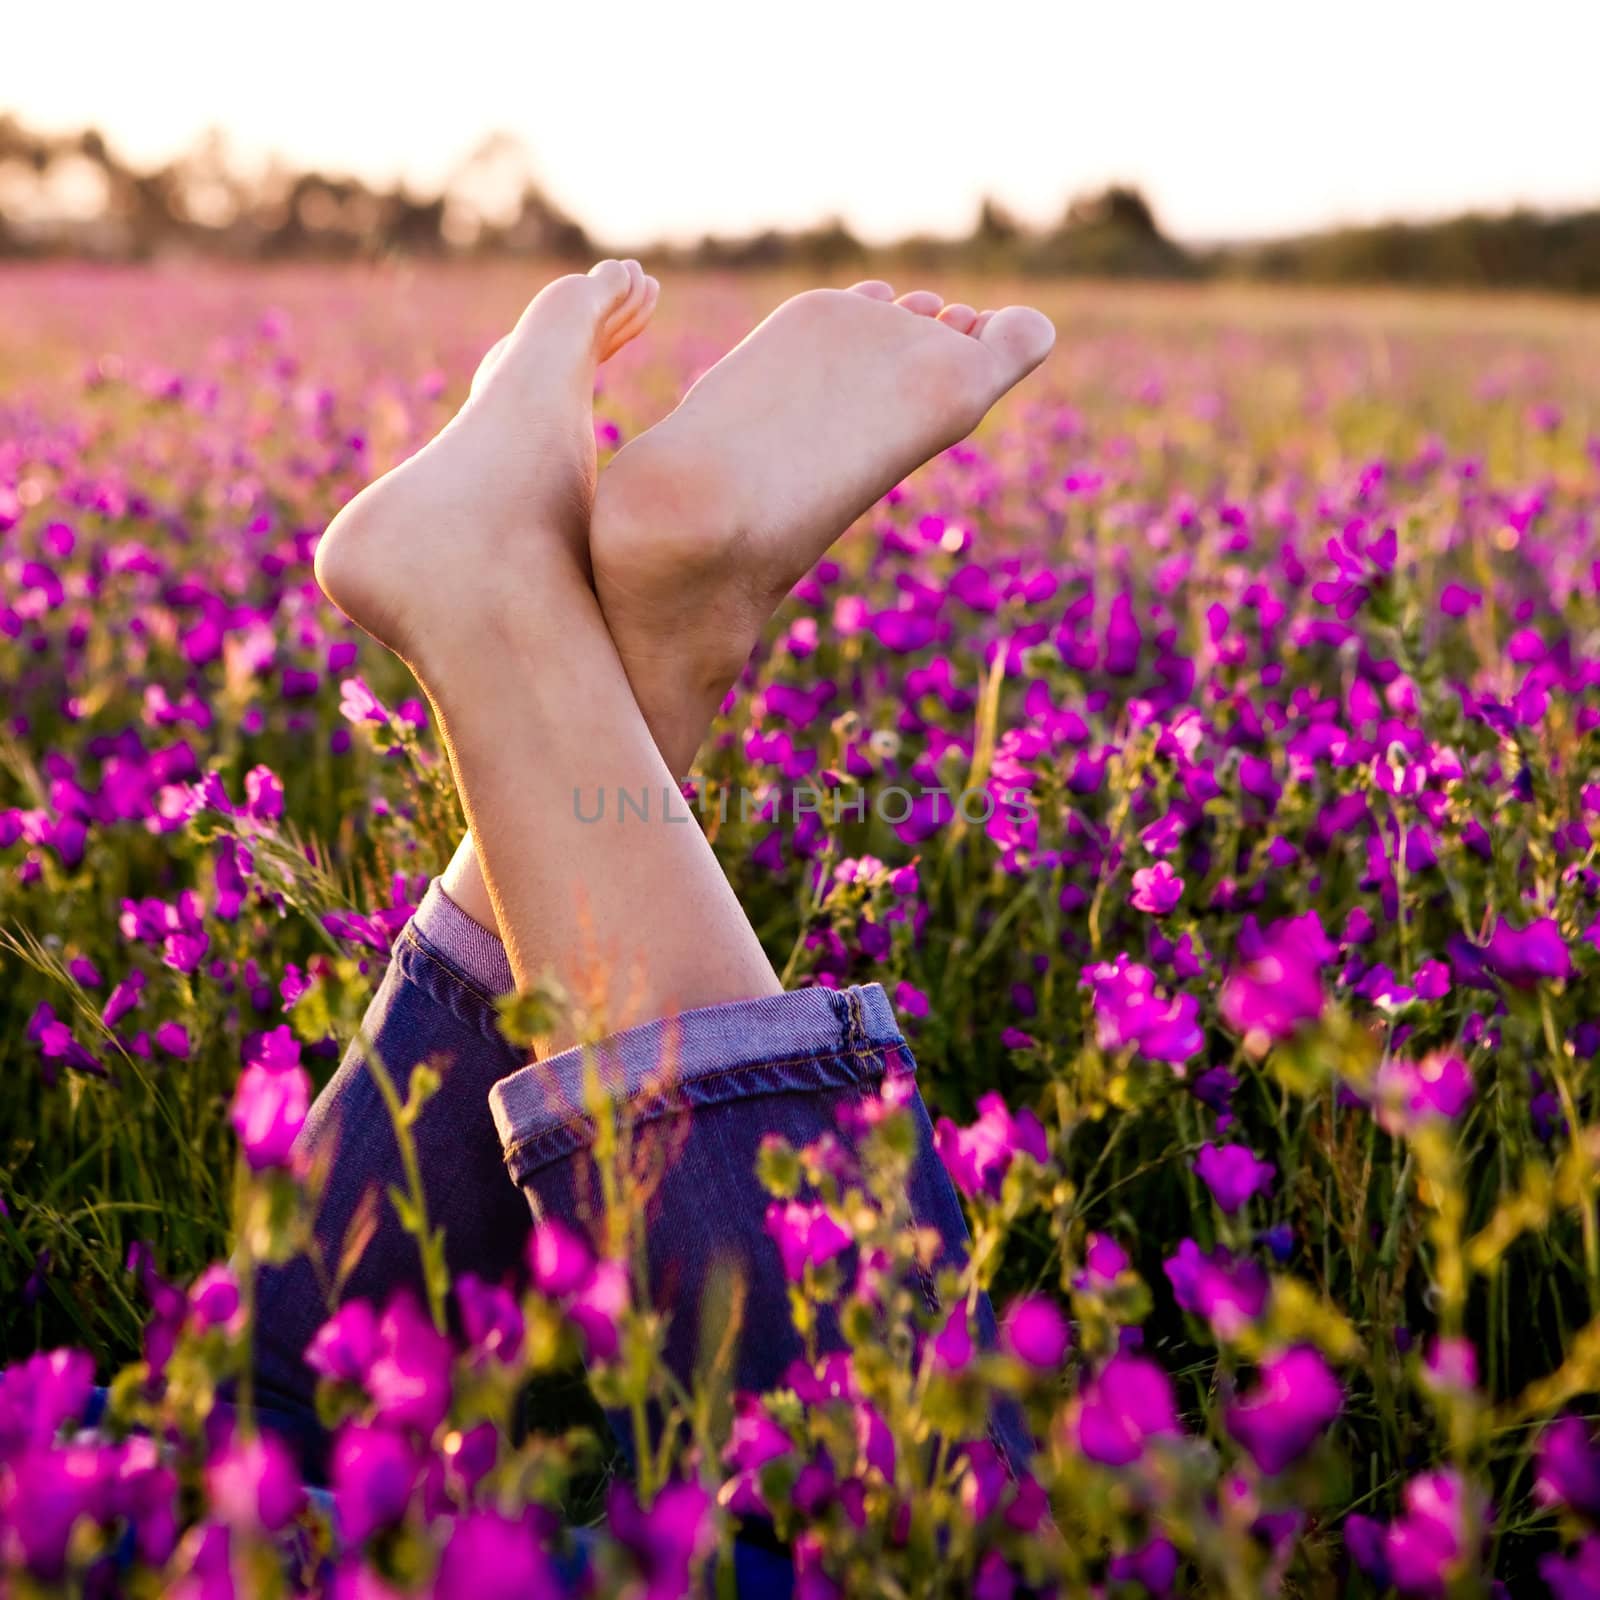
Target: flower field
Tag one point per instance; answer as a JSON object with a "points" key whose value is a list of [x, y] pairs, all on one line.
{"points": [[1261, 1034]]}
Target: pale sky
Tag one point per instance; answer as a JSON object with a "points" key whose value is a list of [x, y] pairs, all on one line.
{"points": [[1237, 117]]}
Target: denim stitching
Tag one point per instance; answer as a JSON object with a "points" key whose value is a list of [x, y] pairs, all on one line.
{"points": [[480, 1005], [576, 1122], [415, 940]]}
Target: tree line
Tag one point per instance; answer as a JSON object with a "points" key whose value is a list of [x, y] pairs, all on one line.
{"points": [[73, 194]]}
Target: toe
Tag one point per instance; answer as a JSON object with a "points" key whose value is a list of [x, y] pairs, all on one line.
{"points": [[983, 321], [630, 322], [959, 317], [924, 302], [873, 289], [612, 281], [1019, 337]]}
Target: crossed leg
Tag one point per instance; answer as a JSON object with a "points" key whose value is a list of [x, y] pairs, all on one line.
{"points": [[703, 524], [563, 652]]}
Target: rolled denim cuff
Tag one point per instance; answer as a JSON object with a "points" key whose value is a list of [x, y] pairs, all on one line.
{"points": [[805, 1039], [465, 944]]}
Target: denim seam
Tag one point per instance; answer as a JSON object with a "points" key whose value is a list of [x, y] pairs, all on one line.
{"points": [[574, 1122], [484, 1018]]}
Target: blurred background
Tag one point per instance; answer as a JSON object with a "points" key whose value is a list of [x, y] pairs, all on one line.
{"points": [[1408, 142]]}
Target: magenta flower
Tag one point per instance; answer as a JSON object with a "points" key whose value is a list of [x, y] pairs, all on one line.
{"points": [[492, 1557], [1451, 1367], [597, 1309], [253, 1485], [269, 1109], [357, 703], [375, 1471], [1036, 1333], [45, 1492], [346, 1345], [952, 1345], [491, 1319], [1293, 1401], [409, 1377], [1426, 1546], [806, 1235], [263, 791], [123, 998], [1410, 1093], [1569, 1468], [669, 1542], [214, 1298], [1128, 1010], [1233, 1173], [979, 1156], [1524, 957], [1277, 984], [1230, 1293], [1153, 1566], [42, 1394], [754, 1439], [1156, 889], [1574, 1577], [1104, 1261], [1126, 1405], [559, 1260], [1360, 565]]}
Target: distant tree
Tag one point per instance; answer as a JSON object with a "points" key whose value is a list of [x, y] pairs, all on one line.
{"points": [[1111, 234]]}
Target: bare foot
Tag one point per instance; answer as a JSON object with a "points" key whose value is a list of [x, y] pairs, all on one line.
{"points": [[704, 523], [493, 513]]}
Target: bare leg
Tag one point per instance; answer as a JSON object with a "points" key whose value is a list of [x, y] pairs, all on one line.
{"points": [[705, 522], [470, 562]]}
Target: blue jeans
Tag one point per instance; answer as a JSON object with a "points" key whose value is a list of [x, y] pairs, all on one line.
{"points": [[782, 1064]]}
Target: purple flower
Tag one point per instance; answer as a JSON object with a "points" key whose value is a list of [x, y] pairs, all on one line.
{"points": [[1154, 1566], [173, 1037], [1104, 1262], [1036, 1333], [492, 1557], [263, 791], [409, 1378], [253, 1484], [1233, 1173], [375, 1471], [597, 1309], [1569, 1468], [1426, 1546], [269, 1109], [357, 703], [214, 1298], [40, 1395], [44, 1494], [910, 1000], [1524, 957], [1410, 1093], [669, 1542], [490, 1318], [346, 1345], [1128, 1403], [1451, 1367], [806, 1235], [559, 1260], [1574, 1577], [1229, 1293], [1294, 1399], [1277, 985], [952, 1345], [1128, 1010], [1156, 889], [979, 1156], [123, 998]]}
